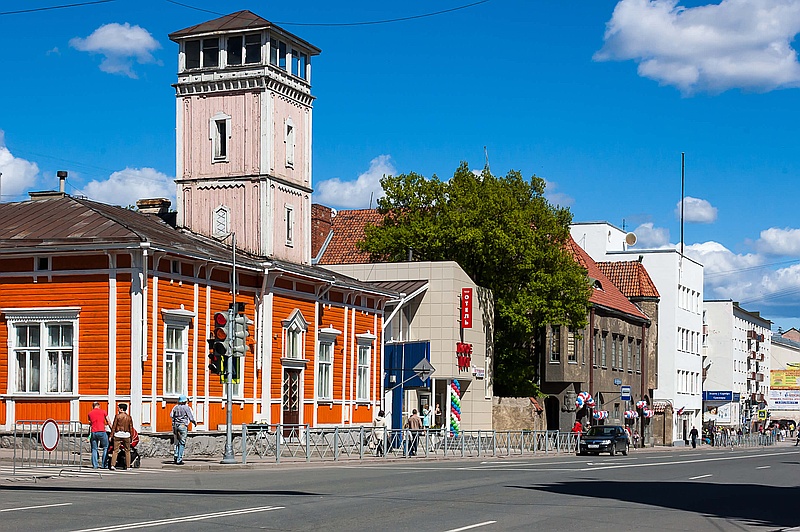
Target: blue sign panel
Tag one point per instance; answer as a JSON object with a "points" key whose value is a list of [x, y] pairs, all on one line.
{"points": [[625, 393], [726, 397]]}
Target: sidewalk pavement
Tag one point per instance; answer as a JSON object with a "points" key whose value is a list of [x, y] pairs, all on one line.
{"points": [[209, 463]]}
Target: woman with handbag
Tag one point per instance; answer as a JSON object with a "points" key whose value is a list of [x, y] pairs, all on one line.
{"points": [[121, 431]]}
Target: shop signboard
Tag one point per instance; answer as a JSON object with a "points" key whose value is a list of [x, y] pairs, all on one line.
{"points": [[466, 308], [784, 379], [784, 399]]}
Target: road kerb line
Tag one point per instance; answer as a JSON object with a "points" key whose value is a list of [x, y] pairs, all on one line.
{"points": [[469, 527], [700, 476]]}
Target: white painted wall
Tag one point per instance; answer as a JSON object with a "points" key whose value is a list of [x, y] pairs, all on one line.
{"points": [[670, 273]]}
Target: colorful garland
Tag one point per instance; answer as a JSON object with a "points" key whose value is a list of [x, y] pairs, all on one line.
{"points": [[584, 399], [600, 414], [455, 408]]}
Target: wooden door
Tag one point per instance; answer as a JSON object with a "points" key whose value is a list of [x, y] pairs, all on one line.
{"points": [[291, 401]]}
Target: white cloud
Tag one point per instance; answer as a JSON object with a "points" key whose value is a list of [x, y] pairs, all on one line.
{"points": [[120, 44], [774, 241], [356, 194], [696, 210], [126, 186], [648, 236], [557, 198], [18, 175], [742, 44]]}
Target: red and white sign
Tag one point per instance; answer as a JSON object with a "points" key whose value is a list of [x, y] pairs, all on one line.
{"points": [[466, 308], [49, 435]]}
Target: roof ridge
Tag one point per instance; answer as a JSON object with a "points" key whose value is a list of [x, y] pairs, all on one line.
{"points": [[89, 204]]}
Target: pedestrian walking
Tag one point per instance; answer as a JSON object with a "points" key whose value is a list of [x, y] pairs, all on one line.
{"points": [[181, 417], [379, 433], [693, 436], [414, 425], [121, 431], [98, 420]]}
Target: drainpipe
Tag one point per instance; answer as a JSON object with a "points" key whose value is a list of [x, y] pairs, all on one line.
{"points": [[591, 351]]}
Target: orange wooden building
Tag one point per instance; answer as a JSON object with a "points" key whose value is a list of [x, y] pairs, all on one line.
{"points": [[109, 304]]}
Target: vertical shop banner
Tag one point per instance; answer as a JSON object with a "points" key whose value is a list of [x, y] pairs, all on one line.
{"points": [[466, 308]]}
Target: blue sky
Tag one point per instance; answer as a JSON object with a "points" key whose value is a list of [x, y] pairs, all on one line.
{"points": [[598, 97]]}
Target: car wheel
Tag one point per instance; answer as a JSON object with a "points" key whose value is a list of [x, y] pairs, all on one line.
{"points": [[625, 451], [613, 449]]}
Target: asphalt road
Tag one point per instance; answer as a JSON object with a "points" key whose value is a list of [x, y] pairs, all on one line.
{"points": [[710, 489]]}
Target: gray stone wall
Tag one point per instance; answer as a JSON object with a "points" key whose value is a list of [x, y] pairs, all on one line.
{"points": [[517, 413]]}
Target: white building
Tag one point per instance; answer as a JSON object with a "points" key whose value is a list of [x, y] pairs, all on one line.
{"points": [[736, 362], [679, 281], [784, 366]]}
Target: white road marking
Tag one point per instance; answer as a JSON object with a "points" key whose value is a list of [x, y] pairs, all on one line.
{"points": [[699, 477], [676, 462], [199, 517], [764, 467], [35, 507], [693, 454], [476, 525]]}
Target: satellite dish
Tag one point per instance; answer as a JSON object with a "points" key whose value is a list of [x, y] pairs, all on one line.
{"points": [[630, 239]]}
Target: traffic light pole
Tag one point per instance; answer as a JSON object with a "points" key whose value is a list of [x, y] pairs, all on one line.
{"points": [[228, 457]]}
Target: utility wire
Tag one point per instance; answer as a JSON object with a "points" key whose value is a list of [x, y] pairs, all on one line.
{"points": [[340, 24], [63, 6], [751, 268]]}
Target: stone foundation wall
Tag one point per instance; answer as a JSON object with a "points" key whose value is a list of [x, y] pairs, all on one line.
{"points": [[517, 413], [150, 445]]}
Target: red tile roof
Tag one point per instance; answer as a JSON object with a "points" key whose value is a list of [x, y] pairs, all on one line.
{"points": [[606, 294], [348, 229], [631, 277]]}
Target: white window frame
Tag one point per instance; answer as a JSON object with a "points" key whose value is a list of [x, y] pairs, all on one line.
{"points": [[289, 219], [290, 141], [220, 145], [221, 221], [179, 320], [324, 373], [365, 343], [295, 329], [44, 318]]}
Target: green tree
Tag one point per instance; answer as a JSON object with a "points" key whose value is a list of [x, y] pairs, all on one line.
{"points": [[507, 237]]}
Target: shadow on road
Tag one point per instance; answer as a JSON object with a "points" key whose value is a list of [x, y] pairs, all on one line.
{"points": [[754, 504]]}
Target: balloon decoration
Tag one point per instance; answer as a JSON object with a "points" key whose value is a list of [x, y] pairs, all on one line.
{"points": [[455, 407], [584, 399], [631, 414], [647, 412], [600, 414], [641, 405]]}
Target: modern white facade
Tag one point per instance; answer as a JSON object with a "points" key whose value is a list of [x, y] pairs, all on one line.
{"points": [[736, 353], [679, 281]]}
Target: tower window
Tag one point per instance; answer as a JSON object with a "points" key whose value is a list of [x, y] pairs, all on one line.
{"points": [[252, 48], [210, 52], [235, 50], [192, 53], [303, 65], [221, 221], [295, 62], [289, 144], [289, 225], [220, 127], [282, 55]]}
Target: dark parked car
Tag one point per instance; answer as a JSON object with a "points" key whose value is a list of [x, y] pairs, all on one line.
{"points": [[605, 439]]}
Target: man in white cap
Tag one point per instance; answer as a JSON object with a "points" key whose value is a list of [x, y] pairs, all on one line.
{"points": [[181, 417]]}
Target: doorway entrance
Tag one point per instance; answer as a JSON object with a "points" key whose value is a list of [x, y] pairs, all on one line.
{"points": [[291, 401], [553, 409]]}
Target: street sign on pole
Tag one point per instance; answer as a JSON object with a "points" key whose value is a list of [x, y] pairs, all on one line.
{"points": [[424, 369], [625, 393]]}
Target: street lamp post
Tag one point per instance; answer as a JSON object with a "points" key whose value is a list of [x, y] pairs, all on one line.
{"points": [[228, 457]]}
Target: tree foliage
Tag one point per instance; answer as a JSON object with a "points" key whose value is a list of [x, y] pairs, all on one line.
{"points": [[507, 237]]}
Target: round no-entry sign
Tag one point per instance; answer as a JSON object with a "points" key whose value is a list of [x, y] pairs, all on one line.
{"points": [[50, 435]]}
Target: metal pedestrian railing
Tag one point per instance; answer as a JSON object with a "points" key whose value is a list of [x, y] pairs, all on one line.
{"points": [[48, 444], [279, 441], [753, 439]]}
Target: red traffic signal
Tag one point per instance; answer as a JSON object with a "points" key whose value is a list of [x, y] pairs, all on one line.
{"points": [[218, 343]]}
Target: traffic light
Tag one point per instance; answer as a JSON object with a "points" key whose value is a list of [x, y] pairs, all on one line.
{"points": [[239, 334], [218, 343]]}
